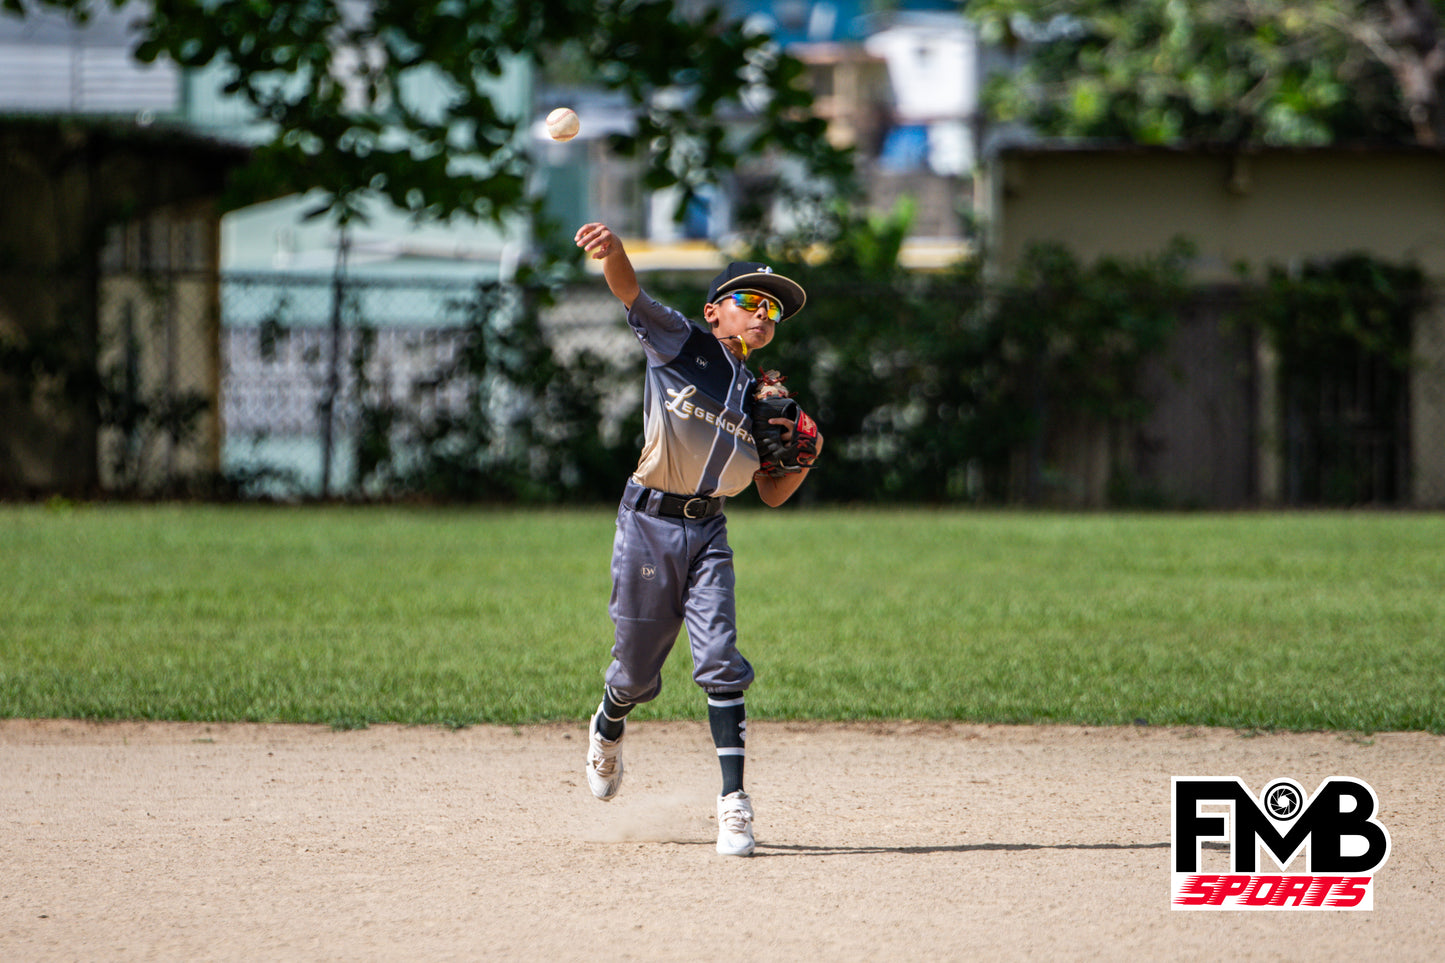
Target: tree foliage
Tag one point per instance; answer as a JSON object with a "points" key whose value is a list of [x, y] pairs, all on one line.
{"points": [[1324, 315], [1342, 330], [528, 430], [333, 81], [1233, 71], [929, 386]]}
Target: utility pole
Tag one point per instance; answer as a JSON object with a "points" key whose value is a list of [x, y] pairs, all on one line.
{"points": [[333, 373]]}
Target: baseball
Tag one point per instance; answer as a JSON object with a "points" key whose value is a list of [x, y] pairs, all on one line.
{"points": [[562, 124]]}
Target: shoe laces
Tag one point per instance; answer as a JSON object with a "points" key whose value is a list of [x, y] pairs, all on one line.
{"points": [[736, 819], [604, 763]]}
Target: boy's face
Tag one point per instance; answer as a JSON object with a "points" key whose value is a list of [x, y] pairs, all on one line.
{"points": [[730, 319]]}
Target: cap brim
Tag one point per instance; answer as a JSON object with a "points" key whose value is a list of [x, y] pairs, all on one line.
{"points": [[790, 293]]}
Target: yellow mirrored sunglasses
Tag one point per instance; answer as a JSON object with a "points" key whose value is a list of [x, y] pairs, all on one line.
{"points": [[750, 300]]}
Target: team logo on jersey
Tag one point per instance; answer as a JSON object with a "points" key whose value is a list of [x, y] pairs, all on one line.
{"points": [[681, 405], [648, 571], [679, 400], [701, 361], [1346, 844]]}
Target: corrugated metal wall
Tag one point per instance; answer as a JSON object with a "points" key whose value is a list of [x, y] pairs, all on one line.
{"points": [[46, 78]]}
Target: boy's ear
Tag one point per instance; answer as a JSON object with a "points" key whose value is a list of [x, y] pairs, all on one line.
{"points": [[709, 314]]}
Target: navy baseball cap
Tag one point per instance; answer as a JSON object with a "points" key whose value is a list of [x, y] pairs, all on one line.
{"points": [[752, 276]]}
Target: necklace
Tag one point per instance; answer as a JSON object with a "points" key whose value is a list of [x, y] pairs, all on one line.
{"points": [[742, 345]]}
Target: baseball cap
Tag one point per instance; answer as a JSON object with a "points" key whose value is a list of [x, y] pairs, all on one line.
{"points": [[753, 276]]}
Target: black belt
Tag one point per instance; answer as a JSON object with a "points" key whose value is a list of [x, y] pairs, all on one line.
{"points": [[680, 506]]}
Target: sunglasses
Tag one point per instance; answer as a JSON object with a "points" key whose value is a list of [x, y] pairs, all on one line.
{"points": [[749, 301]]}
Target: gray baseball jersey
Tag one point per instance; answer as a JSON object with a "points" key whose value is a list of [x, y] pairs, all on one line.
{"points": [[669, 571], [695, 424]]}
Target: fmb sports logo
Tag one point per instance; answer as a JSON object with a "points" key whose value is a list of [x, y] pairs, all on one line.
{"points": [[1347, 844]]}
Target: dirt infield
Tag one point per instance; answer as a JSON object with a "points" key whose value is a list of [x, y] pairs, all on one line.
{"points": [[875, 842]]}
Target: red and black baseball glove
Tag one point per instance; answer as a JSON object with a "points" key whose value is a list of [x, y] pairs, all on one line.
{"points": [[787, 439]]}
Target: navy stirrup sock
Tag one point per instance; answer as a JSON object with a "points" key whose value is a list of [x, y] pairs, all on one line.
{"points": [[728, 717], [614, 716]]}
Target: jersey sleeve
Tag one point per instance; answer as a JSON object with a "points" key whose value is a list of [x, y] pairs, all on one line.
{"points": [[662, 330]]}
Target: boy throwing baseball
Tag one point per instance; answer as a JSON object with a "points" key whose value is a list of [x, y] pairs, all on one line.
{"points": [[671, 564]]}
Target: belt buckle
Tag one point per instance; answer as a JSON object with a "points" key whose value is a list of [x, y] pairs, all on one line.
{"points": [[687, 507]]}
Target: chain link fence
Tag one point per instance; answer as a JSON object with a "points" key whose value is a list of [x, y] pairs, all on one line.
{"points": [[305, 360], [304, 386]]}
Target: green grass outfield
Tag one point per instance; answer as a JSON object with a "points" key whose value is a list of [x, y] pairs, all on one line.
{"points": [[349, 616]]}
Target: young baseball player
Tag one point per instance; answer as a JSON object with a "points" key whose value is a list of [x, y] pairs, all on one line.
{"points": [[671, 564]]}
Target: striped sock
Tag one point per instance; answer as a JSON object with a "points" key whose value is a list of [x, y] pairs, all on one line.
{"points": [[728, 717], [614, 715]]}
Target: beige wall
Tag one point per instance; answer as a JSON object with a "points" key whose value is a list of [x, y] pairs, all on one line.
{"points": [[63, 183], [1259, 208], [172, 352]]}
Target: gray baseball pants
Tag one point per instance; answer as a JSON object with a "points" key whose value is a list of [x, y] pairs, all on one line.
{"points": [[667, 572]]}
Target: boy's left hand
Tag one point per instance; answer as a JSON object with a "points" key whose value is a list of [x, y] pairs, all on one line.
{"points": [[787, 439]]}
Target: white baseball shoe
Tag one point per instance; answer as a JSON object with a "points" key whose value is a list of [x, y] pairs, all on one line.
{"points": [[735, 824], [604, 762]]}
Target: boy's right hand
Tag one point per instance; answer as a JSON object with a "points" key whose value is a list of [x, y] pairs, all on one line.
{"points": [[597, 240]]}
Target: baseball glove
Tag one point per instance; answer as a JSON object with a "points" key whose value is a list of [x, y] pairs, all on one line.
{"points": [[782, 448]]}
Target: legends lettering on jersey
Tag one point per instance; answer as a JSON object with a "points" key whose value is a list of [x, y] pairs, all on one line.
{"points": [[681, 405]]}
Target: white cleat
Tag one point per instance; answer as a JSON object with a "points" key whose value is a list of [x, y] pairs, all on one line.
{"points": [[735, 824], [604, 762]]}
